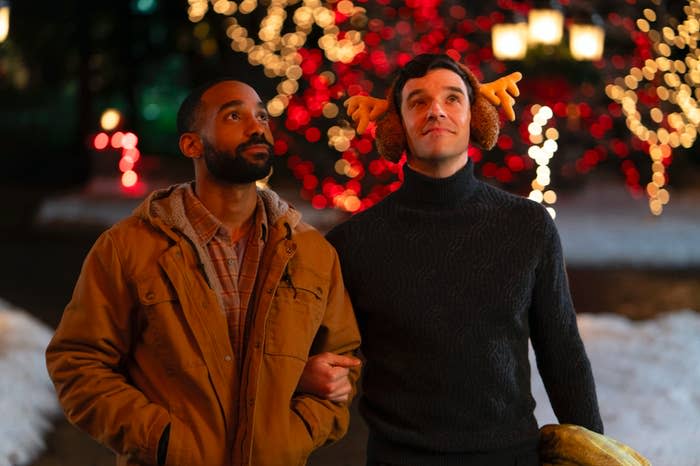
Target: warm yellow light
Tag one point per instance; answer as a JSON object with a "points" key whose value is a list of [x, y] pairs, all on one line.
{"points": [[509, 41], [110, 119], [586, 41], [4, 20], [129, 178], [545, 26]]}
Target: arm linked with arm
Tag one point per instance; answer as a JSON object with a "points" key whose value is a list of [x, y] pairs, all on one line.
{"points": [[337, 334]]}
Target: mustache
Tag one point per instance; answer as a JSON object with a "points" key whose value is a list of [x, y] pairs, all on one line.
{"points": [[254, 141]]}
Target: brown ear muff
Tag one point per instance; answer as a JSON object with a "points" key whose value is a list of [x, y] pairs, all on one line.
{"points": [[484, 124]]}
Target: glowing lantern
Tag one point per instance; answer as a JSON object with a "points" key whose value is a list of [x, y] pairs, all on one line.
{"points": [[586, 41], [509, 41], [4, 19], [545, 26]]}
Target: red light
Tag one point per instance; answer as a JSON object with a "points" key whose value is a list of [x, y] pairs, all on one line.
{"points": [[504, 175], [458, 12], [101, 141], [310, 182], [313, 134], [364, 146], [584, 109], [129, 141], [372, 39], [402, 59], [475, 154], [280, 147], [354, 186], [376, 167], [319, 201], [126, 164], [505, 142], [453, 54], [403, 28], [489, 169], [117, 139], [559, 109], [132, 154], [515, 162]]}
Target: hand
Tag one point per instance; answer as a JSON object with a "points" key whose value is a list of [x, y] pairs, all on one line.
{"points": [[363, 109], [499, 92], [326, 376]]}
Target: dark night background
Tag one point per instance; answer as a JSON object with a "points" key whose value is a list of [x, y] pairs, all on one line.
{"points": [[65, 62]]}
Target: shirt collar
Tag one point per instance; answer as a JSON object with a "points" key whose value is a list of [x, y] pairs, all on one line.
{"points": [[206, 225]]}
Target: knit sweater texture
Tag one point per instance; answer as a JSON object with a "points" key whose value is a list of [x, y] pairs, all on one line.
{"points": [[449, 279]]}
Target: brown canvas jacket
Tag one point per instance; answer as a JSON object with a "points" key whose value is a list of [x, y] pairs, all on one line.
{"points": [[143, 344]]}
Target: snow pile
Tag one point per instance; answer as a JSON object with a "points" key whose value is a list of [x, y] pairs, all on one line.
{"points": [[647, 379], [27, 399], [603, 225]]}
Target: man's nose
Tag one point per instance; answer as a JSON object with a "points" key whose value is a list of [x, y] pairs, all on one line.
{"points": [[255, 126], [435, 110]]}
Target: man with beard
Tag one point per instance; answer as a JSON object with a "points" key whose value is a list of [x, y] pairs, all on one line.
{"points": [[192, 319]]}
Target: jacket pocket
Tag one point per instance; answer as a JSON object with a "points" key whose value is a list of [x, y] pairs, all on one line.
{"points": [[295, 315], [164, 330]]}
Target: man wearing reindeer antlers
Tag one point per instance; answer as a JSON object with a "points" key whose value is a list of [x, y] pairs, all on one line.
{"points": [[450, 277]]}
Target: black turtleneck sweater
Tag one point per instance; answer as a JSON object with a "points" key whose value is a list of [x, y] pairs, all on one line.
{"points": [[449, 278]]}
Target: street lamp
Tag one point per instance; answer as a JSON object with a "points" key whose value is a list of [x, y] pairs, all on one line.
{"points": [[4, 19], [545, 27]]}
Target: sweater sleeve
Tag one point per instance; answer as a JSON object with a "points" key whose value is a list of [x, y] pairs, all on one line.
{"points": [[559, 350]]}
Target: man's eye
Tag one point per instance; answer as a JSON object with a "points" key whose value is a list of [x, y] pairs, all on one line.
{"points": [[417, 103], [234, 116], [263, 117], [453, 98]]}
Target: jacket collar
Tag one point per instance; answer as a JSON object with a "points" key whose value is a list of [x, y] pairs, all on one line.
{"points": [[164, 209]]}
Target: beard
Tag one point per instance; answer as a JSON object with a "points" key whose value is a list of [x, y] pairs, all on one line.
{"points": [[233, 167]]}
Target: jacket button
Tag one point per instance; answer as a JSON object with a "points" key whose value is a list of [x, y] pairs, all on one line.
{"points": [[251, 401], [258, 344], [227, 358], [290, 250], [150, 295], [270, 290]]}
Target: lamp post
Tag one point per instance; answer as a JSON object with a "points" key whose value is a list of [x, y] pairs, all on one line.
{"points": [[545, 26], [4, 19]]}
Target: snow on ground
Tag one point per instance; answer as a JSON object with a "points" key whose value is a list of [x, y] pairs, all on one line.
{"points": [[27, 399], [646, 372], [647, 381], [600, 225], [603, 225]]}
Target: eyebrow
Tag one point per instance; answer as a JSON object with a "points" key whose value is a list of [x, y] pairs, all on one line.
{"points": [[420, 91], [237, 103]]}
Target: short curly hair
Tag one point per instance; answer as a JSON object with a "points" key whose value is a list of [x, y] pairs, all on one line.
{"points": [[390, 136]]}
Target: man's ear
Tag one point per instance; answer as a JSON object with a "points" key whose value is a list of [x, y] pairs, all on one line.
{"points": [[191, 145]]}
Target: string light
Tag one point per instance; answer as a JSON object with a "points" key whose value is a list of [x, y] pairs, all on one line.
{"points": [[310, 90], [542, 155], [127, 144], [278, 53], [679, 85]]}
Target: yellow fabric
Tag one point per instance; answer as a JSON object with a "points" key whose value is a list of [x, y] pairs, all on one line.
{"points": [[143, 343], [570, 445]]}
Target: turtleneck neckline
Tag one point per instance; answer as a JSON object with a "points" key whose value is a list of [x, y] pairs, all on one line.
{"points": [[419, 189]]}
